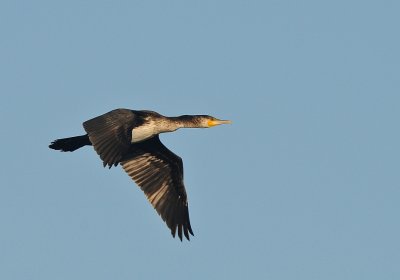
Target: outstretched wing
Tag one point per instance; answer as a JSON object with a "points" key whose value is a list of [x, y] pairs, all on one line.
{"points": [[111, 134], [159, 173]]}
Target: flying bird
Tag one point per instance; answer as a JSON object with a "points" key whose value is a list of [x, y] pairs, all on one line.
{"points": [[131, 138]]}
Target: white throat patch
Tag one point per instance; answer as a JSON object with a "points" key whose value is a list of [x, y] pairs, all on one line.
{"points": [[144, 132], [151, 128]]}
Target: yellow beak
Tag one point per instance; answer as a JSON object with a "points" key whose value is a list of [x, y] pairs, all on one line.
{"points": [[218, 122]]}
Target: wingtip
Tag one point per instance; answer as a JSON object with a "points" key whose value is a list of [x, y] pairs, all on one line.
{"points": [[182, 232], [189, 228]]}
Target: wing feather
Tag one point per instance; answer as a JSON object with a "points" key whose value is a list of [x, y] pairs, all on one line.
{"points": [[111, 135], [159, 173]]}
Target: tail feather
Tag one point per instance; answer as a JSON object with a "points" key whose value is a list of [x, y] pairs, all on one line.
{"points": [[70, 144]]}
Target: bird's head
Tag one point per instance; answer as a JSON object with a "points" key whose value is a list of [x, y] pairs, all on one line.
{"points": [[199, 121], [206, 121]]}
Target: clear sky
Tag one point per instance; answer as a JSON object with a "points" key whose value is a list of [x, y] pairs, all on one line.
{"points": [[303, 185]]}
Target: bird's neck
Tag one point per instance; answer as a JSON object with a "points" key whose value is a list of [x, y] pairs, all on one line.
{"points": [[154, 126], [185, 121]]}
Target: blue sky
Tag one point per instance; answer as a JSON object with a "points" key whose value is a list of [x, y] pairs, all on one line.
{"points": [[303, 185]]}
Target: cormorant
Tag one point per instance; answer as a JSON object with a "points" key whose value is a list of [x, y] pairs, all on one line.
{"points": [[131, 138]]}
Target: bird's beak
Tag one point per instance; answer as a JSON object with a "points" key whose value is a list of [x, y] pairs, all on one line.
{"points": [[218, 122]]}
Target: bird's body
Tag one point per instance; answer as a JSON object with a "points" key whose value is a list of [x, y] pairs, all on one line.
{"points": [[130, 138]]}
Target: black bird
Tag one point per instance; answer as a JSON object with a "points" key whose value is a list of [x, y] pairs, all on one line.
{"points": [[130, 138]]}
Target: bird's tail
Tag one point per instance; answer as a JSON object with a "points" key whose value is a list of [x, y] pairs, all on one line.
{"points": [[70, 144]]}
